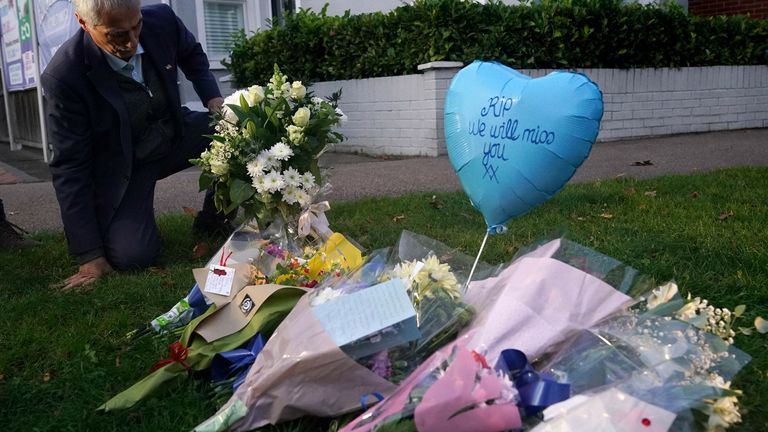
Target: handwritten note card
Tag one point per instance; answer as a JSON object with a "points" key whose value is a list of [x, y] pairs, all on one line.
{"points": [[219, 280], [353, 316]]}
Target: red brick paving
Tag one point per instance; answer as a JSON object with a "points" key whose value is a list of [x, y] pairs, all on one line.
{"points": [[7, 178]]}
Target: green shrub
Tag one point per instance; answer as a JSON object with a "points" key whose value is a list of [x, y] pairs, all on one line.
{"points": [[544, 34]]}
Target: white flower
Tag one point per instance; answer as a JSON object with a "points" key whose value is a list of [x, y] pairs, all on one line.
{"points": [[295, 134], [438, 273], [724, 413], [281, 152], [292, 177], [662, 295], [256, 167], [342, 117], [285, 90], [301, 118], [303, 198], [217, 157], [289, 195], [298, 91], [690, 310], [403, 271], [317, 102], [268, 160], [255, 94], [260, 184], [274, 181], [307, 180]]}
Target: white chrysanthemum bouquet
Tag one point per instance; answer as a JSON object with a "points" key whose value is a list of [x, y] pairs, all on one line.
{"points": [[264, 155]]}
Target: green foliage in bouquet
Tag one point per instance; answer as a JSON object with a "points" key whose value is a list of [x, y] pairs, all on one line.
{"points": [[264, 154]]}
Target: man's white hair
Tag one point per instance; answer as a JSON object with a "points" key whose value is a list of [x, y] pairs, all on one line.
{"points": [[92, 11]]}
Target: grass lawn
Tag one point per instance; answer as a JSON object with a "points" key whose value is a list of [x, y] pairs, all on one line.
{"points": [[62, 355]]}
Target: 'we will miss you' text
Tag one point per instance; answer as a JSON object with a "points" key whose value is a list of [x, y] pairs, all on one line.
{"points": [[496, 124]]}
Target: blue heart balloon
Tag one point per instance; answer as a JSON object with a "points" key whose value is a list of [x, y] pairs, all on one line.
{"points": [[515, 141]]}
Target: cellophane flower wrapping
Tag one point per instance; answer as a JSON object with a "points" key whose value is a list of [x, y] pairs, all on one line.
{"points": [[667, 368], [302, 370], [275, 256], [451, 390], [547, 293], [271, 250]]}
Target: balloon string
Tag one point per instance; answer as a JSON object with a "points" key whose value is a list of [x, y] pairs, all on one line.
{"points": [[480, 252]]}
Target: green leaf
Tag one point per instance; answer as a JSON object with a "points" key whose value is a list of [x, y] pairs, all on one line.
{"points": [[218, 138], [739, 311], [240, 191], [761, 325], [205, 181], [241, 114]]}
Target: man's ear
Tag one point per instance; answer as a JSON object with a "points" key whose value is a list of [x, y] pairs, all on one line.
{"points": [[81, 21]]}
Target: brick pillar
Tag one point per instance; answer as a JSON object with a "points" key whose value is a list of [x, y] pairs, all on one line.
{"points": [[437, 79]]}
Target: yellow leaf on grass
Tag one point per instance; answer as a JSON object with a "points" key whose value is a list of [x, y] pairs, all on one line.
{"points": [[761, 325], [606, 215], [651, 194], [398, 218], [725, 215], [200, 250]]}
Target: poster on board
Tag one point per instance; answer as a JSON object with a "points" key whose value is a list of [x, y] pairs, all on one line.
{"points": [[18, 51], [56, 23]]}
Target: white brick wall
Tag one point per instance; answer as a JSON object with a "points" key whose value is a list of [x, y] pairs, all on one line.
{"points": [[404, 115]]}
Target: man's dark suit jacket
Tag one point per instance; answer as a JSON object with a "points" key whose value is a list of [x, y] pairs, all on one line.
{"points": [[88, 122]]}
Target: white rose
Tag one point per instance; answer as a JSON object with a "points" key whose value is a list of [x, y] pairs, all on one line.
{"points": [[301, 118], [662, 295], [256, 94], [298, 91]]}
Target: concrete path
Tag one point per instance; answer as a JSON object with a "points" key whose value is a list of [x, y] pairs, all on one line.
{"points": [[30, 201]]}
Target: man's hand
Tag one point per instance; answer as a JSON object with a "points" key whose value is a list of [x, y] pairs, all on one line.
{"points": [[215, 104], [87, 274]]}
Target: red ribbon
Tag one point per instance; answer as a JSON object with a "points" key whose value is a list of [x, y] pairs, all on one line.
{"points": [[177, 353], [222, 260]]}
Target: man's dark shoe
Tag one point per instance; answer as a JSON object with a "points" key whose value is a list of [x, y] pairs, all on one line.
{"points": [[14, 237], [212, 225]]}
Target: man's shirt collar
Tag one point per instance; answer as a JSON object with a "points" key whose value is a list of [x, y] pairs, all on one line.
{"points": [[131, 68]]}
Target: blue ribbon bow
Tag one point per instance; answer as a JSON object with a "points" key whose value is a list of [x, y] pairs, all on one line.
{"points": [[537, 391]]}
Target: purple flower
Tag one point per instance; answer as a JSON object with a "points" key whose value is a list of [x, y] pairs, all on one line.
{"points": [[381, 365], [275, 251]]}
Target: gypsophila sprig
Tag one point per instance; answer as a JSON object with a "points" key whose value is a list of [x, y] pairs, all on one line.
{"points": [[264, 155]]}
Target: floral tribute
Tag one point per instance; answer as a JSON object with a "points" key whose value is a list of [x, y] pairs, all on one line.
{"points": [[264, 155]]}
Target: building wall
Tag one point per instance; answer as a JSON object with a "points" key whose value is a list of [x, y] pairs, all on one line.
{"points": [[403, 115], [752, 8]]}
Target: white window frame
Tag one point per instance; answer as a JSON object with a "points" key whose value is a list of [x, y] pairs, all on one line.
{"points": [[252, 20]]}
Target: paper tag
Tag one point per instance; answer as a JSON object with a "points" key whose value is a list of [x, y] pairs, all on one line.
{"points": [[219, 280]]}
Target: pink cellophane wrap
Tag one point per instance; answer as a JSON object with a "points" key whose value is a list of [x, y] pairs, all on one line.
{"points": [[456, 389], [536, 303], [299, 372]]}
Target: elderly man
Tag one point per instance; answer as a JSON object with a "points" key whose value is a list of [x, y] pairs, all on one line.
{"points": [[117, 126]]}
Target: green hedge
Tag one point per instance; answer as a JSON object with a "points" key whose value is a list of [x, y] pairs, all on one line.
{"points": [[545, 34]]}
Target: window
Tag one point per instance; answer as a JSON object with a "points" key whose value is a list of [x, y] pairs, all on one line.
{"points": [[218, 20], [279, 8]]}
